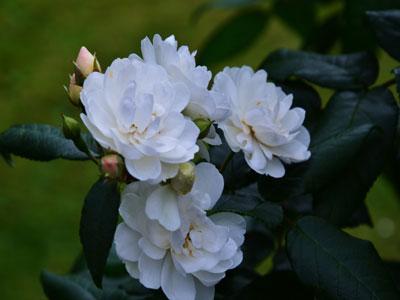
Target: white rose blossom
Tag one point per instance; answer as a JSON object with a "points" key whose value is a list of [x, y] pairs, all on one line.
{"points": [[180, 64], [168, 241], [136, 109], [262, 123]]}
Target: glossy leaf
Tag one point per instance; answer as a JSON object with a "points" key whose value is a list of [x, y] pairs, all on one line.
{"points": [[38, 142], [355, 128], [341, 266], [386, 25], [232, 37], [376, 112], [356, 34], [98, 224], [79, 286], [350, 71]]}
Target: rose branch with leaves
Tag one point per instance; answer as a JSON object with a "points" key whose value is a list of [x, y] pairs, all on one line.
{"points": [[198, 173]]}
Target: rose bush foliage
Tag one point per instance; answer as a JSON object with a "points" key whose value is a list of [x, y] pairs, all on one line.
{"points": [[205, 179]]}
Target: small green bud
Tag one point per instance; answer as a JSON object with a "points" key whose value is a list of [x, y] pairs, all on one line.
{"points": [[204, 126], [74, 91], [182, 183], [112, 166], [71, 128]]}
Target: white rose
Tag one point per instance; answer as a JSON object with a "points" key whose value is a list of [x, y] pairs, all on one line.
{"points": [[262, 124], [168, 241], [180, 64], [136, 110]]}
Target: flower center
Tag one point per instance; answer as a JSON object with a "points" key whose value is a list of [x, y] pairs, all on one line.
{"points": [[187, 243]]}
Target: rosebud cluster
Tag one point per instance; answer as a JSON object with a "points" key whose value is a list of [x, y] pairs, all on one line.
{"points": [[85, 64], [155, 113]]}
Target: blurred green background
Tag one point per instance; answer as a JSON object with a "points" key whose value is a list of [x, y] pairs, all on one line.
{"points": [[40, 203]]}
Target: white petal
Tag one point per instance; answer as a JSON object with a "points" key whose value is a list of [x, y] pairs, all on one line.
{"points": [[293, 119], [256, 159], [224, 84], [162, 205], [235, 223], [203, 292], [303, 136], [144, 168], [148, 50], [150, 249], [150, 271], [284, 105], [209, 279], [126, 243], [143, 112], [294, 151], [175, 285], [105, 141], [209, 181], [275, 168], [212, 137], [132, 268]]}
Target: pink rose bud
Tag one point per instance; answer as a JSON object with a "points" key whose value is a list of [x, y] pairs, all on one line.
{"points": [[86, 62], [112, 166]]}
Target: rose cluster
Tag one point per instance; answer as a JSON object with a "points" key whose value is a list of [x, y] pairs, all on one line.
{"points": [[159, 112]]}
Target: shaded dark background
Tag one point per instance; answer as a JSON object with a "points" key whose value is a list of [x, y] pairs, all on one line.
{"points": [[40, 203]]}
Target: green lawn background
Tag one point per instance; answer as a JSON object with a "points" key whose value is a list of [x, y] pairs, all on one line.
{"points": [[40, 203]]}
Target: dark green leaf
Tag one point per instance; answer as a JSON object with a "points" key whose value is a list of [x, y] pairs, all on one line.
{"points": [[299, 15], [341, 147], [350, 71], [79, 286], [356, 132], [117, 284], [62, 288], [276, 286], [233, 37], [98, 224], [357, 164], [394, 268], [340, 265], [38, 142], [269, 213], [386, 25], [355, 33]]}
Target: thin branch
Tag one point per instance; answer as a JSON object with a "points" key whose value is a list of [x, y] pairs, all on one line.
{"points": [[226, 161]]}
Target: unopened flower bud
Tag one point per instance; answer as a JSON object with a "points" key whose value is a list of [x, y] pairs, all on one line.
{"points": [[71, 128], [87, 63], [112, 166], [74, 91], [204, 126], [182, 183]]}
